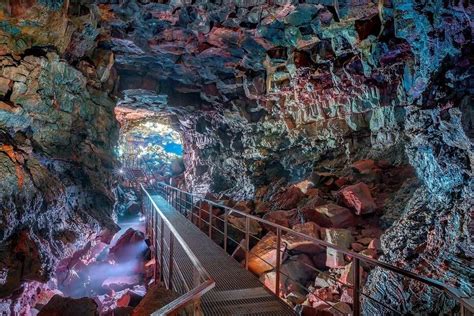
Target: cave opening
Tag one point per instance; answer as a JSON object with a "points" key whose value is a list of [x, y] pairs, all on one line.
{"points": [[152, 144]]}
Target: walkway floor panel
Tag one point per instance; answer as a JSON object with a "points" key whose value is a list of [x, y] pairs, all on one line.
{"points": [[237, 291]]}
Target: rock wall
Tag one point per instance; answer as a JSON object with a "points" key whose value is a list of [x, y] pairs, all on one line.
{"points": [[57, 132], [269, 91]]}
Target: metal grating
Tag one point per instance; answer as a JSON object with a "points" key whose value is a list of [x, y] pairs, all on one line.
{"points": [[237, 291]]}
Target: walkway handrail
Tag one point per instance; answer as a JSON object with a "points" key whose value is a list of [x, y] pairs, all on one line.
{"points": [[193, 294], [464, 300]]}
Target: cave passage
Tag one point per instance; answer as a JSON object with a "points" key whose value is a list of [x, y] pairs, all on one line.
{"points": [[348, 121], [154, 145]]}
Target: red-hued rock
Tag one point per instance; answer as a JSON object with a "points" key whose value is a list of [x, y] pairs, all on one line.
{"points": [[337, 216], [314, 202], [365, 166], [244, 206], [321, 296], [287, 199], [240, 223], [358, 197], [375, 244], [347, 276], [59, 306], [364, 241], [305, 186], [371, 253], [129, 246], [300, 244], [129, 298], [283, 218], [341, 182], [156, 297], [373, 232], [357, 247]]}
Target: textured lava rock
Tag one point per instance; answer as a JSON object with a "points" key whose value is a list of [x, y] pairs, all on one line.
{"points": [[57, 132], [59, 305]]}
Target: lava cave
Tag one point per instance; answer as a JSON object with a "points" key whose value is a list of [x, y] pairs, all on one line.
{"points": [[158, 156]]}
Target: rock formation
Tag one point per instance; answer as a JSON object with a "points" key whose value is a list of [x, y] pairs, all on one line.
{"points": [[265, 94]]}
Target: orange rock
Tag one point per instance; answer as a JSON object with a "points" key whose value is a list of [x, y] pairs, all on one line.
{"points": [[263, 255]]}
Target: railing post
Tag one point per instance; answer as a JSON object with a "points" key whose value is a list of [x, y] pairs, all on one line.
{"points": [[162, 232], [278, 261], [356, 288], [210, 220], [247, 242], [226, 220], [155, 242], [170, 277], [200, 215]]}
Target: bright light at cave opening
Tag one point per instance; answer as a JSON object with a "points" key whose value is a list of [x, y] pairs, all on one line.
{"points": [[155, 144]]}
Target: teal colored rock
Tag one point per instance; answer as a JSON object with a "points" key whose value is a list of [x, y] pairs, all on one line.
{"points": [[303, 14]]}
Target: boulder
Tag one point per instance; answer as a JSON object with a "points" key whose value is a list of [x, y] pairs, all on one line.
{"points": [[245, 206], [263, 256], [297, 270], [337, 216], [130, 246], [357, 247], [283, 218], [287, 199], [366, 166], [341, 238], [358, 197], [240, 223], [299, 244], [59, 306], [155, 298]]}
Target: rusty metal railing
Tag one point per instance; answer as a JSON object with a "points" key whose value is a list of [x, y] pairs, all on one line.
{"points": [[218, 227], [176, 266]]}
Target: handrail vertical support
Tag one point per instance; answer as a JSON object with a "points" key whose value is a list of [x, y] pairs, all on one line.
{"points": [[170, 277], [162, 232], [247, 242], [356, 288], [278, 261], [210, 221], [226, 220]]}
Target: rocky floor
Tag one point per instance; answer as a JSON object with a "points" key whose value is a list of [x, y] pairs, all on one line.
{"points": [[350, 208]]}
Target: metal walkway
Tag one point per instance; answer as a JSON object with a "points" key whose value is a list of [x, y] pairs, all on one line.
{"points": [[237, 291]]}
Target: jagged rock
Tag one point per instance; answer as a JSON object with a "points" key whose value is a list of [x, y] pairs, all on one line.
{"points": [[59, 305], [299, 244], [288, 199], [263, 255], [330, 215], [129, 246], [155, 298], [359, 198], [283, 218]]}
